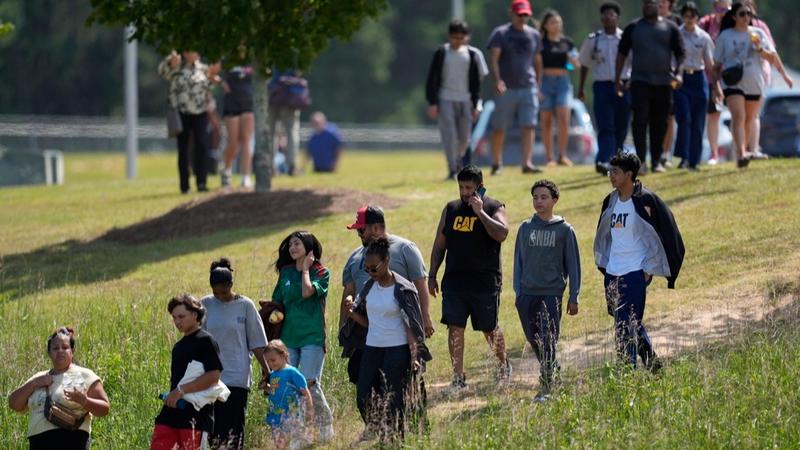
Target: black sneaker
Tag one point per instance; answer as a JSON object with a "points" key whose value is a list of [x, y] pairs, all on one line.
{"points": [[496, 169], [459, 383], [742, 163], [531, 169], [602, 168], [683, 164]]}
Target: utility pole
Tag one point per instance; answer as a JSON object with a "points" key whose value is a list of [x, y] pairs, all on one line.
{"points": [[458, 9], [131, 105]]}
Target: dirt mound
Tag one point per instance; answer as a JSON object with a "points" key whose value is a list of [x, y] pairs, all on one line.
{"points": [[236, 210]]}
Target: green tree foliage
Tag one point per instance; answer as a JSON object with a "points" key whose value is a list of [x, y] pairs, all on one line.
{"points": [[5, 28], [57, 66], [286, 34]]}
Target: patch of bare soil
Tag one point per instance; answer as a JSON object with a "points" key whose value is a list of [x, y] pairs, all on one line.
{"points": [[672, 334], [236, 210]]}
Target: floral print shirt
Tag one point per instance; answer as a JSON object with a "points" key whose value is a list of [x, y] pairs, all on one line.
{"points": [[189, 86]]}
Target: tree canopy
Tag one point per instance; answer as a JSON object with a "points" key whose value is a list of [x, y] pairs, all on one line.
{"points": [[286, 34]]}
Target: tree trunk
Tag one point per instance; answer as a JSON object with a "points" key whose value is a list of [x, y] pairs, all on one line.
{"points": [[263, 153]]}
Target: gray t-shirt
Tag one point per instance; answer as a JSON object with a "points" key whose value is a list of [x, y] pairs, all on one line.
{"points": [[238, 329], [516, 56], [455, 73], [404, 259], [656, 47], [735, 47]]}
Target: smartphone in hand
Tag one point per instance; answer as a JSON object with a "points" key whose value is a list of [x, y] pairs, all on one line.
{"points": [[481, 191]]}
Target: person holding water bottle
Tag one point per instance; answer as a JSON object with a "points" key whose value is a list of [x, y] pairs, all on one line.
{"points": [[559, 57], [179, 424]]}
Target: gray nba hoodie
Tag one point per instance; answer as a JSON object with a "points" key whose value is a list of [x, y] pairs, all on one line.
{"points": [[545, 255]]}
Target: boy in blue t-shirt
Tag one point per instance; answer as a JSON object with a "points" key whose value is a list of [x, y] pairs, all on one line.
{"points": [[287, 387]]}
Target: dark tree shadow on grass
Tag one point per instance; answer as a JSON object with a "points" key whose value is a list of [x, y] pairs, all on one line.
{"points": [[203, 224]]}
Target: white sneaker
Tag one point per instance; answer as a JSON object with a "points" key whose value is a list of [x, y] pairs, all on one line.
{"points": [[246, 181], [712, 162], [325, 433]]}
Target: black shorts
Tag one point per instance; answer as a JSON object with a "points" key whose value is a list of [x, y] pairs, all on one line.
{"points": [[733, 91], [481, 307], [236, 105]]}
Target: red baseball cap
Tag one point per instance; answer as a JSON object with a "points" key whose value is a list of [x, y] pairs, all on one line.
{"points": [[521, 7], [367, 215]]}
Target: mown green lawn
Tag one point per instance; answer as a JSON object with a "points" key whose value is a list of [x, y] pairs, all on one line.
{"points": [[741, 228]]}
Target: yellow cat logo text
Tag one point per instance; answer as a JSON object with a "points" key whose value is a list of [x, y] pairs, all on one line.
{"points": [[465, 224]]}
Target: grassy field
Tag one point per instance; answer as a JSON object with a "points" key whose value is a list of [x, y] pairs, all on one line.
{"points": [[742, 233]]}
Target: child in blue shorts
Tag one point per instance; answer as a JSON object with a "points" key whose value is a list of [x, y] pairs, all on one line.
{"points": [[289, 398]]}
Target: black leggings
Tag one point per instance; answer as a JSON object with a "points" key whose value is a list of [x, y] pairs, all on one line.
{"points": [[651, 105], [60, 439], [194, 125]]}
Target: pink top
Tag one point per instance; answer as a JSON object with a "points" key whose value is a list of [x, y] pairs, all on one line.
{"points": [[766, 70], [710, 25]]}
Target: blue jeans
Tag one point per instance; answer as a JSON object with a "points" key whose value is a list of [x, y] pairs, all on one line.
{"points": [[380, 394], [556, 92], [691, 101], [309, 360], [626, 296], [540, 317], [612, 114]]}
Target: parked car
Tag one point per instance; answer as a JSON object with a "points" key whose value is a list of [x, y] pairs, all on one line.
{"points": [[780, 123], [581, 145]]}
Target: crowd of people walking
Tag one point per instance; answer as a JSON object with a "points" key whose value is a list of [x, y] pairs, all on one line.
{"points": [[384, 319], [384, 315], [663, 69]]}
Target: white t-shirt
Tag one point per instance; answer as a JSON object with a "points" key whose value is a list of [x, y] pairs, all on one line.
{"points": [[627, 249], [386, 326], [76, 377], [735, 47], [455, 73]]}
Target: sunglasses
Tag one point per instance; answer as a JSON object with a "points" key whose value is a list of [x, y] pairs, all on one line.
{"points": [[360, 231], [744, 14], [373, 269], [523, 15]]}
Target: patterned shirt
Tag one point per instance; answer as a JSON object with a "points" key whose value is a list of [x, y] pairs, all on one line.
{"points": [[189, 86]]}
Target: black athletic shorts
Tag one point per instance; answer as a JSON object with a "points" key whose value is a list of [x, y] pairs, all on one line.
{"points": [[236, 105], [733, 91], [481, 307]]}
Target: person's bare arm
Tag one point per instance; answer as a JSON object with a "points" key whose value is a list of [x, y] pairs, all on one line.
{"points": [[18, 400], [438, 250], [357, 317], [496, 225], [424, 303], [538, 66], [93, 400], [494, 68], [348, 291], [262, 360], [620, 63], [308, 288]]}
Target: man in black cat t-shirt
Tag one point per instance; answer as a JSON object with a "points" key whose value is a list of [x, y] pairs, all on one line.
{"points": [[469, 234]]}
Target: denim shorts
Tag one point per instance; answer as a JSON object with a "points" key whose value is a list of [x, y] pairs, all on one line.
{"points": [[518, 105], [556, 91]]}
